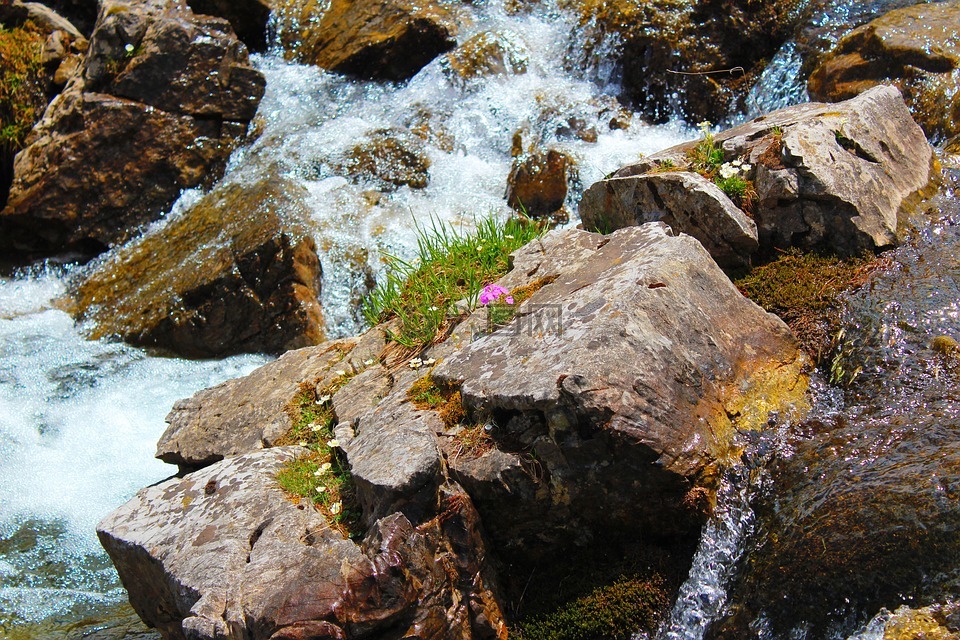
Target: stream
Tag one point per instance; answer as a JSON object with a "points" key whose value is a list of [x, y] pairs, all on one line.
{"points": [[79, 419]]}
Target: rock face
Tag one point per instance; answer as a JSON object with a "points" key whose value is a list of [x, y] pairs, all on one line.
{"points": [[222, 553], [161, 99], [381, 39], [238, 272], [653, 39], [826, 176], [623, 379], [917, 49]]}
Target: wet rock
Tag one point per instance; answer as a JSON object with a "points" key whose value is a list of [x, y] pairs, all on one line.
{"points": [[652, 40], [831, 176], [82, 13], [916, 49], [246, 561], [616, 389], [488, 53], [685, 201], [380, 39], [247, 17], [389, 158], [538, 183], [161, 99], [237, 272]]}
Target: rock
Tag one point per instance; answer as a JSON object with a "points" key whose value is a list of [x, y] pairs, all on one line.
{"points": [[685, 201], [537, 184], [247, 17], [616, 389], [160, 100], [223, 552], [246, 414], [45, 18], [823, 23], [488, 53], [653, 40], [379, 39], [831, 177], [82, 13], [916, 49], [389, 158], [936, 622], [237, 272]]}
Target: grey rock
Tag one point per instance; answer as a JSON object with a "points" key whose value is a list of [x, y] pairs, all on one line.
{"points": [[223, 553], [829, 176], [625, 378], [685, 201]]}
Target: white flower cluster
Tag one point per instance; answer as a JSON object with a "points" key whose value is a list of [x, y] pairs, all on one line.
{"points": [[730, 169]]}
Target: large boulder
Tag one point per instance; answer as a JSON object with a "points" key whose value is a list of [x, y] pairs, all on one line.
{"points": [[828, 176], [695, 57], [224, 553], [237, 272], [916, 49], [615, 393], [381, 39], [161, 99]]}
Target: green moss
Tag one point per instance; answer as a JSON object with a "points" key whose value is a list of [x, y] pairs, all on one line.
{"points": [[804, 290], [425, 393], [614, 612]]}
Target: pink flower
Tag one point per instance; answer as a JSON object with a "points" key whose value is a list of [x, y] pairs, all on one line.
{"points": [[492, 293]]}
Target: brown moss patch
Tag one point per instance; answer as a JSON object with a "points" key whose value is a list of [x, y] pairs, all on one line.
{"points": [[426, 393], [804, 289]]}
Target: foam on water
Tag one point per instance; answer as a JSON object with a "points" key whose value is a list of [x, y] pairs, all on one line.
{"points": [[309, 120], [79, 422]]}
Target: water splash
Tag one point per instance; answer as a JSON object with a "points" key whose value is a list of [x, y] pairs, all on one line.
{"points": [[722, 544]]}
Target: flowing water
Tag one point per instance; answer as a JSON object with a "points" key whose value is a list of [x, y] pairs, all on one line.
{"points": [[79, 419]]}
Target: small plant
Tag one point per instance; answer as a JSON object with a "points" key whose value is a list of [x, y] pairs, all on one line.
{"points": [[422, 294], [445, 400], [500, 313], [706, 157], [322, 476]]}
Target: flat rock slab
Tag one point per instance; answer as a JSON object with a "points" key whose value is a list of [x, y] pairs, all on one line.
{"points": [[827, 176]]}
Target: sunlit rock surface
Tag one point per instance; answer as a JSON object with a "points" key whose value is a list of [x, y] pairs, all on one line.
{"points": [[237, 272], [917, 49], [162, 98], [836, 176], [379, 39]]}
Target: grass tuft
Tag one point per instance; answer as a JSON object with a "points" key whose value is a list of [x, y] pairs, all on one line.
{"points": [[422, 294]]}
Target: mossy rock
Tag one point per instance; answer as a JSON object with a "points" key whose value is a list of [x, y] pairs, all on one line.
{"points": [[488, 53], [236, 272], [23, 94]]}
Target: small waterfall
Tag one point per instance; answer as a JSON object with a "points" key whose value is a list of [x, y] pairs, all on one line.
{"points": [[722, 543], [780, 85]]}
